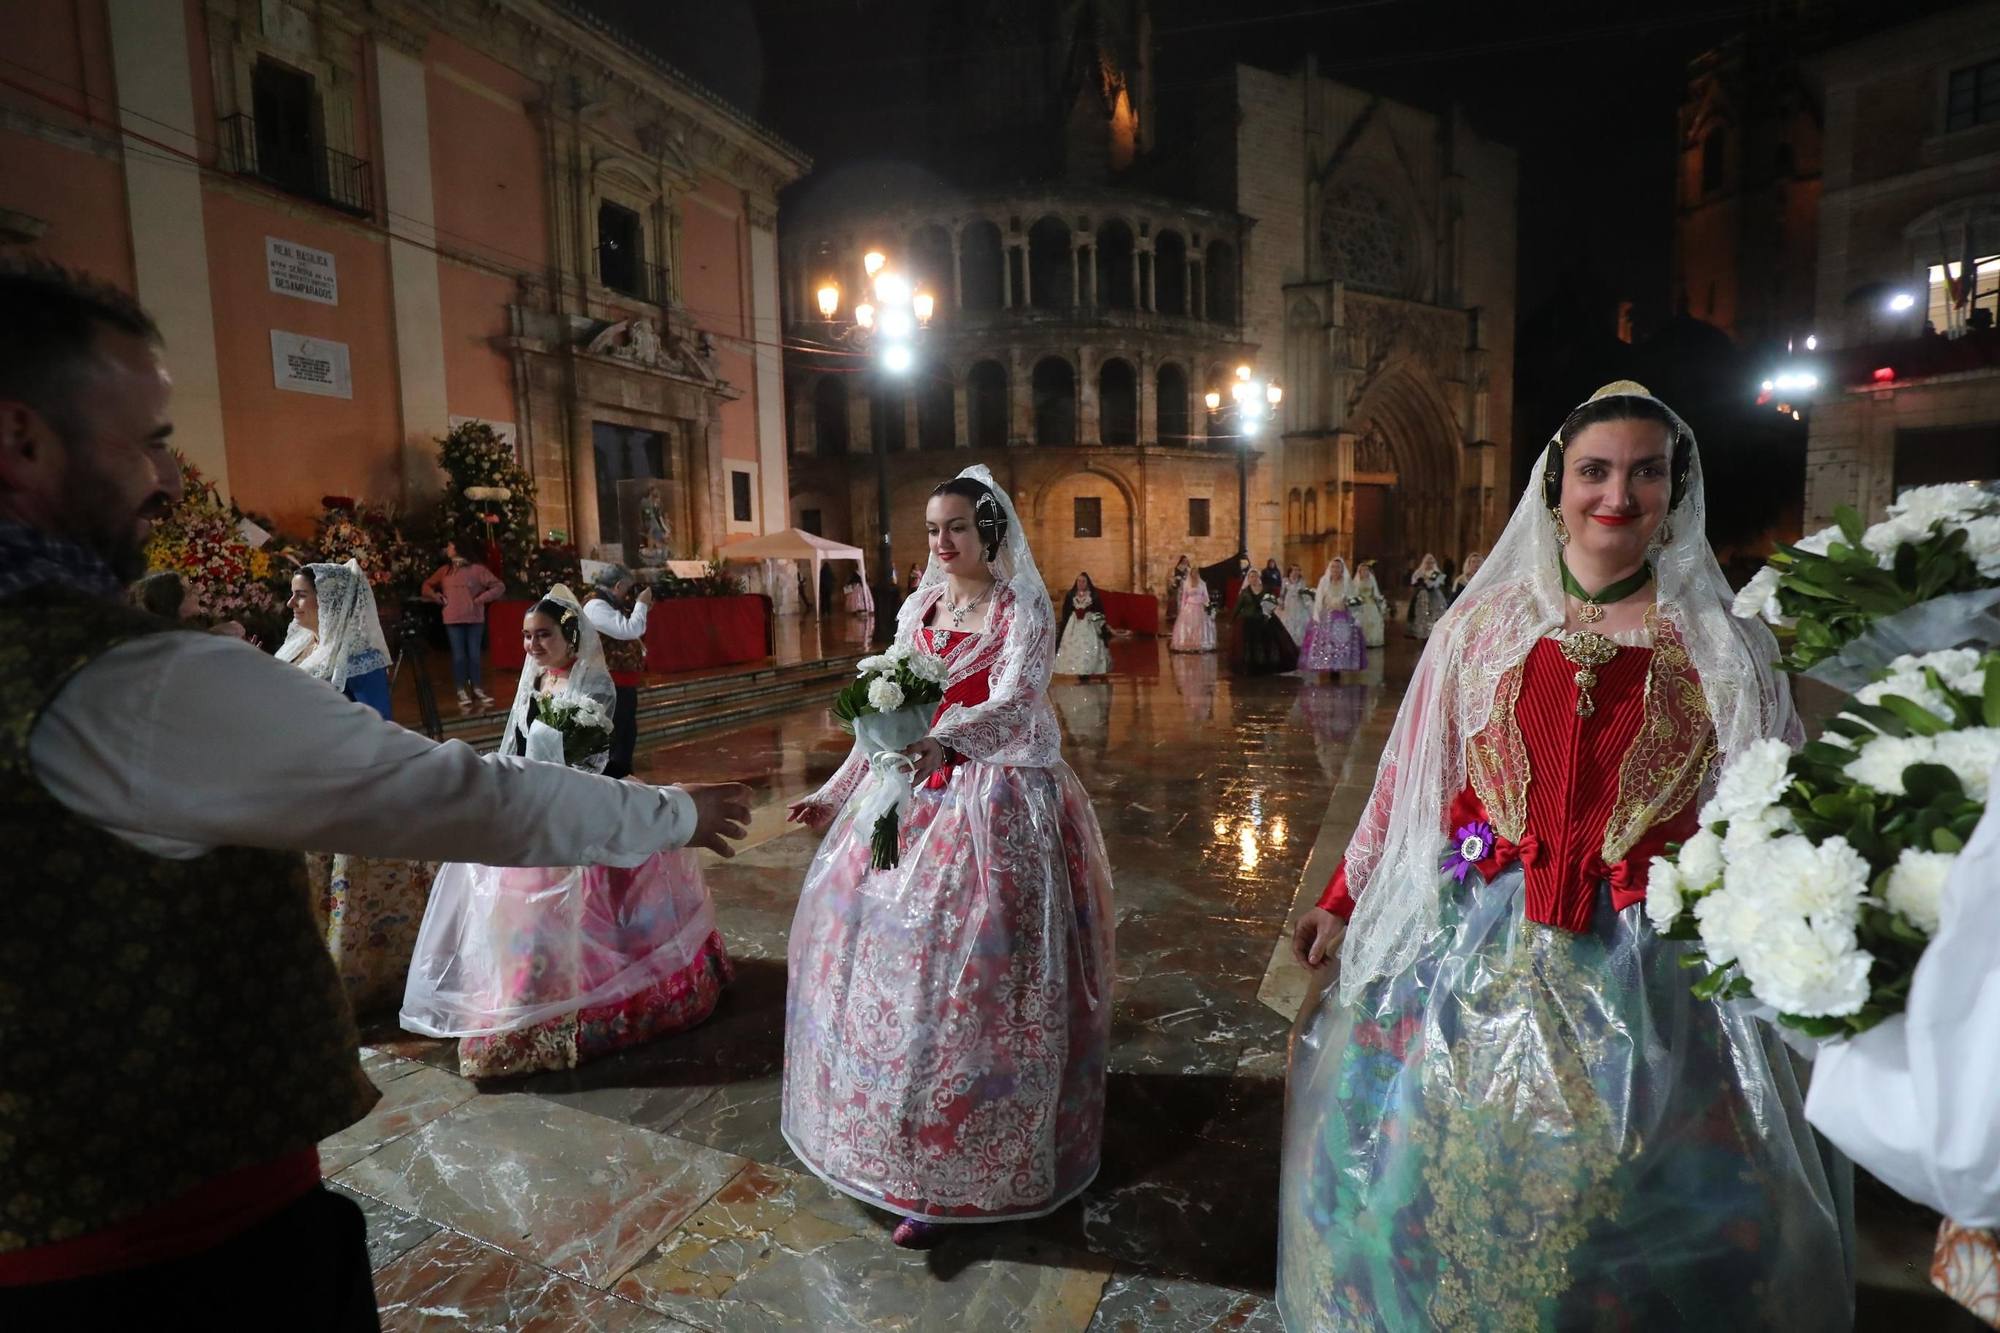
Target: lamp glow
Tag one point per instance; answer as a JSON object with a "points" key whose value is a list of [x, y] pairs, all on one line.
{"points": [[1238, 389], [896, 323], [1242, 372], [864, 315], [1249, 428], [1275, 395], [829, 300], [873, 261], [925, 305], [892, 289], [1812, 342], [1213, 399], [1901, 301], [897, 358]]}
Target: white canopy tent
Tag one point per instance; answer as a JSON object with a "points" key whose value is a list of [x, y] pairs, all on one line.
{"points": [[792, 544]]}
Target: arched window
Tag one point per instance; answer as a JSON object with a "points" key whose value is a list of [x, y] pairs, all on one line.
{"points": [[1172, 410], [1055, 402], [1220, 272], [930, 264], [830, 415], [888, 427], [981, 265], [1049, 260], [1294, 513], [1118, 404], [986, 405], [1170, 273], [1312, 527], [937, 427], [1114, 265]]}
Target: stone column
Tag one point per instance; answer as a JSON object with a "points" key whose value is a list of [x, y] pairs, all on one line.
{"points": [[1197, 298], [1149, 406], [957, 274], [1075, 273], [1138, 289], [1089, 410], [1152, 267], [1088, 292], [1027, 277]]}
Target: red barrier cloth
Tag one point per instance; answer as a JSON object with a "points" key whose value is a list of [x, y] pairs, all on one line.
{"points": [[682, 633], [1135, 611]]}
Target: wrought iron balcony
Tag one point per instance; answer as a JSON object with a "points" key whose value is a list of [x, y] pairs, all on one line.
{"points": [[323, 175], [636, 278]]}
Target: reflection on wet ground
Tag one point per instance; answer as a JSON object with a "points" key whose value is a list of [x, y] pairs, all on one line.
{"points": [[652, 1191]]}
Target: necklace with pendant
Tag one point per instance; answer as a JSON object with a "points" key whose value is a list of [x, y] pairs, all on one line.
{"points": [[959, 613], [1589, 650], [1592, 609]]}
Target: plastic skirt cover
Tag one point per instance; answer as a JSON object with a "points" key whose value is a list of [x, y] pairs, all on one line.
{"points": [[1532, 1130], [507, 948]]}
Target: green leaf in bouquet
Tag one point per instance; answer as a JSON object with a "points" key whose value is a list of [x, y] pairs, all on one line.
{"points": [[1991, 694], [1851, 526], [850, 703], [1694, 958], [1714, 984], [1815, 1027], [1919, 719], [1884, 721], [1827, 753], [1738, 989], [1813, 633], [1930, 783], [1833, 805], [1852, 728], [1906, 566]]}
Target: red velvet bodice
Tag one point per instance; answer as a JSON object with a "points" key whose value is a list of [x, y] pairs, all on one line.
{"points": [[1574, 788]]}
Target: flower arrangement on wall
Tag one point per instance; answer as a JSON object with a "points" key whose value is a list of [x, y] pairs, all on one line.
{"points": [[205, 540], [489, 492], [396, 562]]}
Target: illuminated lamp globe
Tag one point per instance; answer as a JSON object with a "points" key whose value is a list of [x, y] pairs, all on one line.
{"points": [[864, 315], [873, 261], [1242, 372], [925, 305], [1901, 301], [1239, 389], [1213, 399], [1274, 395], [829, 300]]}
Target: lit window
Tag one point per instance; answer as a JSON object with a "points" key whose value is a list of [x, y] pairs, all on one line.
{"points": [[1988, 273]]}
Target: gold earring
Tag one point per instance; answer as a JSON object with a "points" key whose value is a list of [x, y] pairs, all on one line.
{"points": [[1666, 532], [1562, 528]]}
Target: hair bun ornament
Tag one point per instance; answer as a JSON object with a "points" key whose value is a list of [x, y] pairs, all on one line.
{"points": [[1622, 389]]}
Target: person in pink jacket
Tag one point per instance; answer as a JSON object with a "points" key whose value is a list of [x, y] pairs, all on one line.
{"points": [[463, 587]]}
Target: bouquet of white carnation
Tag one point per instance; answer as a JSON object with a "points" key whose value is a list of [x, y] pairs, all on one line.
{"points": [[584, 725], [1813, 883], [888, 708], [1847, 581]]}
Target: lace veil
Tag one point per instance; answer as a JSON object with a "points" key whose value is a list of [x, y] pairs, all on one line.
{"points": [[588, 678], [1333, 593], [349, 642], [1515, 599]]}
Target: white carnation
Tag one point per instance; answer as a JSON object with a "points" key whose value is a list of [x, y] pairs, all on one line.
{"points": [[1759, 597], [1809, 970], [1909, 685], [1700, 861], [1881, 762], [898, 652], [1663, 893], [1959, 668], [1971, 755], [1951, 503], [1818, 543], [868, 666], [1796, 879], [930, 667], [1982, 543], [1882, 539], [1752, 781], [885, 696], [1916, 886], [1749, 832], [1727, 920]]}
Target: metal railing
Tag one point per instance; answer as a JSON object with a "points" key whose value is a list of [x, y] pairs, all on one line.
{"points": [[323, 175], [648, 282]]}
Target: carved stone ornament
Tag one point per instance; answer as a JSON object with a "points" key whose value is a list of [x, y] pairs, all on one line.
{"points": [[640, 342]]}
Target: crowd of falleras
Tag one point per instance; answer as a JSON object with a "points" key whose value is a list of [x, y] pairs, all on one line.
{"points": [[1506, 1110]]}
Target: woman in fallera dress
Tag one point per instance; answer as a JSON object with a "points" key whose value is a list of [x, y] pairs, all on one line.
{"points": [[947, 1020], [1508, 1110], [368, 907], [1194, 626], [543, 968], [1183, 571], [1334, 641], [1472, 563], [1373, 612], [1427, 590], [1082, 648], [1295, 605]]}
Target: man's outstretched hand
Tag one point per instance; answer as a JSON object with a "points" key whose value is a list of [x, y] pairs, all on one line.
{"points": [[721, 814]]}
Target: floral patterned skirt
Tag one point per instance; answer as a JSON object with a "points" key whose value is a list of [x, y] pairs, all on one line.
{"points": [[1967, 1269], [369, 911], [1333, 642], [1533, 1130], [947, 1022]]}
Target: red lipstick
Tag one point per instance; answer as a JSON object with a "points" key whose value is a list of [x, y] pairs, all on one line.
{"points": [[1615, 520]]}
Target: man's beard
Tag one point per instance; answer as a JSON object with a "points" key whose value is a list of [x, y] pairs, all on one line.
{"points": [[95, 519]]}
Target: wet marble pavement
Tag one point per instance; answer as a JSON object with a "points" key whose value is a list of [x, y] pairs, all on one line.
{"points": [[652, 1191]]}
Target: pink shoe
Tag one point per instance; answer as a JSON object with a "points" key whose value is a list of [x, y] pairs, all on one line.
{"points": [[914, 1235]]}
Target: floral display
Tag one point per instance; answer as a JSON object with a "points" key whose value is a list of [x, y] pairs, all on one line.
{"points": [[1825, 591], [492, 493], [203, 538], [369, 534], [555, 562], [584, 725], [888, 707], [717, 582], [1813, 882]]}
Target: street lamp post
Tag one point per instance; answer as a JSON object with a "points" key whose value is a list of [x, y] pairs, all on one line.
{"points": [[888, 327], [1251, 401]]}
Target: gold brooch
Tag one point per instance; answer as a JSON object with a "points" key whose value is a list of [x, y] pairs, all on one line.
{"points": [[1589, 651]]}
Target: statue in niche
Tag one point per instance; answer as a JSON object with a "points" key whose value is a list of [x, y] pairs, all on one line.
{"points": [[659, 533]]}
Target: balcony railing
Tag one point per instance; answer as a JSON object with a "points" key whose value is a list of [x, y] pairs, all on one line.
{"points": [[323, 175], [647, 282]]}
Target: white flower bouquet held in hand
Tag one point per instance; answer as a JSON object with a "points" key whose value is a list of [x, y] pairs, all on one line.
{"points": [[1841, 583], [583, 724], [1813, 883], [888, 708]]}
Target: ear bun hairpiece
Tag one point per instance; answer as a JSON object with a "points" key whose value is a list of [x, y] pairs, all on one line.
{"points": [[990, 521], [1680, 453]]}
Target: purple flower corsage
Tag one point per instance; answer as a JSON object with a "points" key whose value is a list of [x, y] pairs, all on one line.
{"points": [[1475, 844]]}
